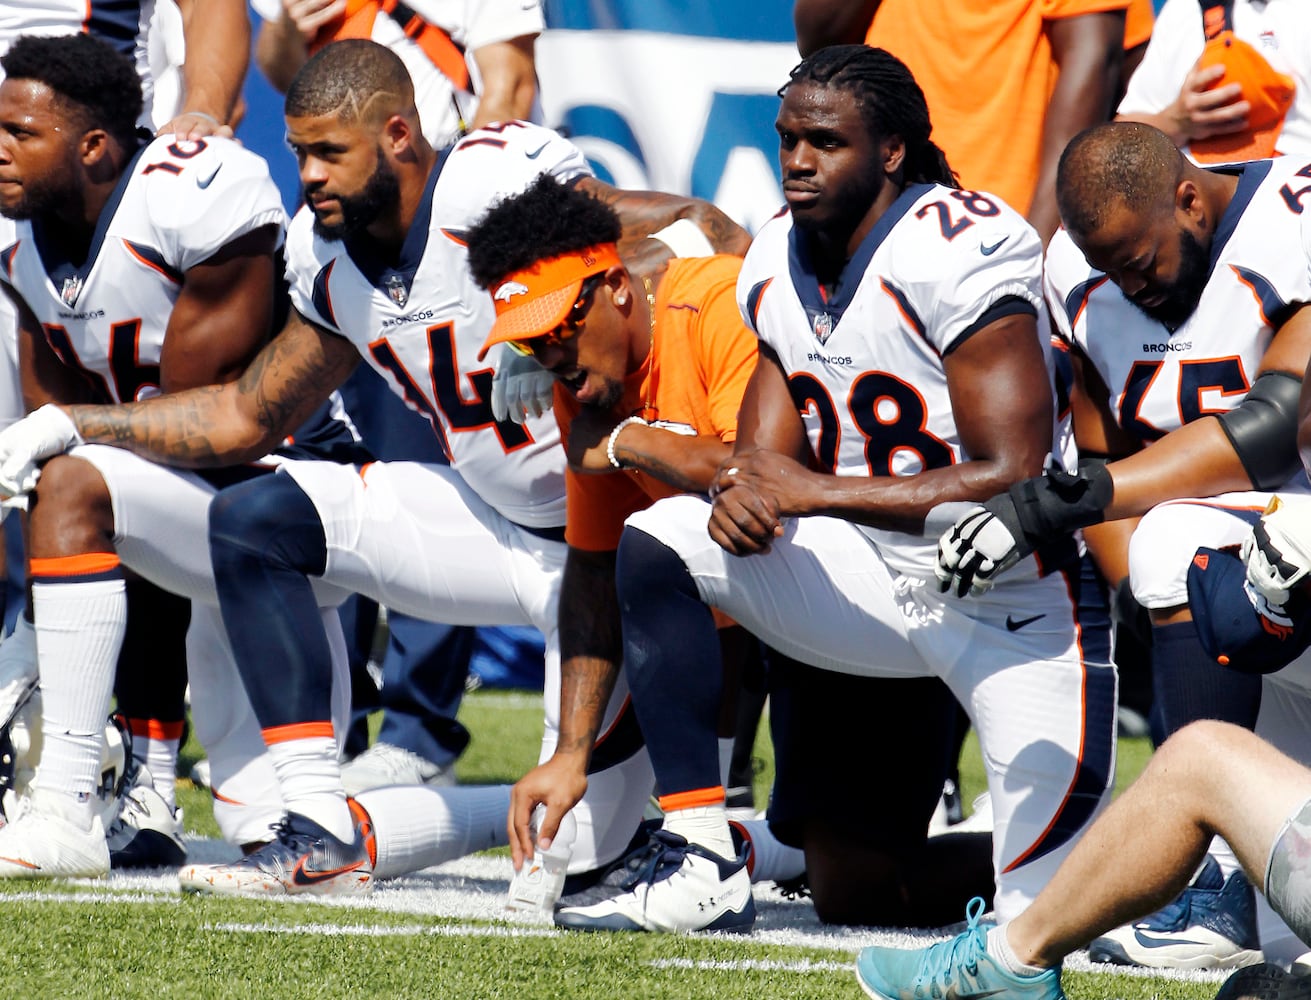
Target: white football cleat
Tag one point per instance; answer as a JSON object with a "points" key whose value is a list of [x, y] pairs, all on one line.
{"points": [[385, 764], [681, 887], [43, 841], [302, 859], [146, 833]]}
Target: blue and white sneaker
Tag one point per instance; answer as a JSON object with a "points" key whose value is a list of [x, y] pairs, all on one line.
{"points": [[1211, 925], [678, 888], [302, 859], [950, 970]]}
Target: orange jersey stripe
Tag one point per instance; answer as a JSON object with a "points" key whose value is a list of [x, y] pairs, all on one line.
{"points": [[297, 731], [692, 799], [82, 565]]}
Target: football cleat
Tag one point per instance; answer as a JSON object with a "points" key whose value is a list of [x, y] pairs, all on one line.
{"points": [[1265, 982], [958, 968], [43, 840], [675, 887], [386, 764], [146, 833], [1211, 925], [302, 859]]}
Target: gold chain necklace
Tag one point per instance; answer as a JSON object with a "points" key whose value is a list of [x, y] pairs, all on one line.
{"points": [[648, 406]]}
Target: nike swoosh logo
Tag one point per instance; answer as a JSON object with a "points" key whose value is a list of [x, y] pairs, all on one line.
{"points": [[204, 182], [1015, 624], [1164, 942], [22, 864], [537, 152], [989, 251], [304, 876]]}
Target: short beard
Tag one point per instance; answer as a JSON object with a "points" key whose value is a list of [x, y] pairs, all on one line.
{"points": [[1182, 298], [611, 397], [381, 193]]}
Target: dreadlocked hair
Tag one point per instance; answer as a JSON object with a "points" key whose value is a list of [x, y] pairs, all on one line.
{"points": [[890, 102]]}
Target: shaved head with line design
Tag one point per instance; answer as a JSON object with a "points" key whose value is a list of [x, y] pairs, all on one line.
{"points": [[354, 80]]}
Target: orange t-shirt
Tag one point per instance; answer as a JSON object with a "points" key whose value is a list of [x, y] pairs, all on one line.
{"points": [[987, 72], [702, 355]]}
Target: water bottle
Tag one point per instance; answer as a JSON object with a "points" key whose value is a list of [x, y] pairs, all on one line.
{"points": [[535, 888]]}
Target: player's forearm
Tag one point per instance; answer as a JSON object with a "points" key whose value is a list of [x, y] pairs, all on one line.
{"points": [[645, 212], [280, 52], [591, 648], [191, 429], [218, 53], [685, 462], [901, 503], [509, 80], [1196, 460]]}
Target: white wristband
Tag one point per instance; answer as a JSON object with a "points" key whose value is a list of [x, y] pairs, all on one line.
{"points": [[685, 238], [614, 434]]}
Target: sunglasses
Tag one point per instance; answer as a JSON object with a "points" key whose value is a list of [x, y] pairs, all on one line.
{"points": [[570, 327]]}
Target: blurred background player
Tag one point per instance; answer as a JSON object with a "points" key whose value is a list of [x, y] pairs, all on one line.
{"points": [[1227, 81]]}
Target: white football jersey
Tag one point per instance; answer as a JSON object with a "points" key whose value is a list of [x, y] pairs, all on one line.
{"points": [[422, 323], [865, 366], [1160, 379], [175, 206]]}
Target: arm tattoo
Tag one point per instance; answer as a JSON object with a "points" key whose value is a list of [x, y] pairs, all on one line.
{"points": [[228, 424]]}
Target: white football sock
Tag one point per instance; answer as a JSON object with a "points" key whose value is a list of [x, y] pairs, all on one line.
{"points": [[771, 860], [704, 825], [78, 635], [420, 826], [310, 779], [159, 753]]}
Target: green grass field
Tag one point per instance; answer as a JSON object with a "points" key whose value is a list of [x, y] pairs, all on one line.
{"points": [[98, 940]]}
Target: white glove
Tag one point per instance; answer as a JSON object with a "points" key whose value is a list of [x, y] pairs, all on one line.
{"points": [[24, 445], [521, 388], [973, 551], [1277, 553]]}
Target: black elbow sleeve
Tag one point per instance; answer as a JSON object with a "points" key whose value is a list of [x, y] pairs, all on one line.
{"points": [[1263, 429]]}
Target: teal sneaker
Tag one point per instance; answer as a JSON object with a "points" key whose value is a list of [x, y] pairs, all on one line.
{"points": [[959, 969]]}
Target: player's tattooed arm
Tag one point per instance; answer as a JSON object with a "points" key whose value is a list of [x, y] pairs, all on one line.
{"points": [[645, 212], [226, 425]]}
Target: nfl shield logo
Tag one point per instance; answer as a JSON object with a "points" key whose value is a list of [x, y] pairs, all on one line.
{"points": [[823, 325], [397, 290], [71, 290]]}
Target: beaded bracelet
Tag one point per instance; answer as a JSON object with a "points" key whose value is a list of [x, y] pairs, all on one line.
{"points": [[614, 434]]}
